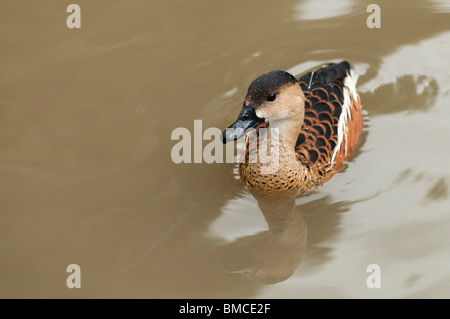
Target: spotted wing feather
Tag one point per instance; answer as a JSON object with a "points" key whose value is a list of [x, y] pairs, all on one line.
{"points": [[323, 139]]}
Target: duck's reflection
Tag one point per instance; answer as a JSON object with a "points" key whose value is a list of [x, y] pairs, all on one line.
{"points": [[271, 256]]}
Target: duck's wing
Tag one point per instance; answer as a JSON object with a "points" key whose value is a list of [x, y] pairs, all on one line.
{"points": [[333, 118]]}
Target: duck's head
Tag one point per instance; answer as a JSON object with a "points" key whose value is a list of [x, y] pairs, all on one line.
{"points": [[275, 96]]}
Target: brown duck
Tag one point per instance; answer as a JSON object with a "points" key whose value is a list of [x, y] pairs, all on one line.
{"points": [[317, 119]]}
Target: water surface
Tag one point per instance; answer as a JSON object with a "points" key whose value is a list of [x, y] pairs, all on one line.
{"points": [[86, 117]]}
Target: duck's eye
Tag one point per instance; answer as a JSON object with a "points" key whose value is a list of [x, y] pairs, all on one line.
{"points": [[271, 97]]}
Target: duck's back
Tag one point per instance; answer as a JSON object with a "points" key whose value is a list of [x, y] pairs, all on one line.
{"points": [[333, 118]]}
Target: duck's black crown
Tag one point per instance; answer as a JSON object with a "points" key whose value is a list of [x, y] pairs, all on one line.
{"points": [[267, 84]]}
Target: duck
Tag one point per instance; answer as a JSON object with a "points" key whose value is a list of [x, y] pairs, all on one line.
{"points": [[317, 119]]}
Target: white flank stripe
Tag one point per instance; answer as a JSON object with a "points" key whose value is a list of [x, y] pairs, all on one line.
{"points": [[350, 83], [349, 88]]}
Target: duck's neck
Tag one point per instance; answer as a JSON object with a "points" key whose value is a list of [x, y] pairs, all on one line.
{"points": [[280, 173], [285, 135]]}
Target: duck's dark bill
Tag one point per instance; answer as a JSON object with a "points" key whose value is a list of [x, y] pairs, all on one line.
{"points": [[247, 119]]}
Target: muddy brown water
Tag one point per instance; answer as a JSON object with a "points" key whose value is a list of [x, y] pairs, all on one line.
{"points": [[87, 178]]}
